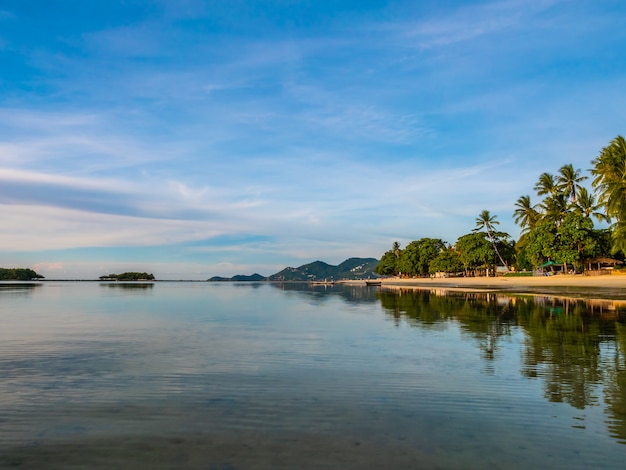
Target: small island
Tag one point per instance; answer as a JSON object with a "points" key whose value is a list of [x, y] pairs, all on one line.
{"points": [[19, 274], [128, 276]]}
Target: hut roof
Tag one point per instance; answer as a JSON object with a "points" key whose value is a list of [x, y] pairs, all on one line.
{"points": [[603, 260]]}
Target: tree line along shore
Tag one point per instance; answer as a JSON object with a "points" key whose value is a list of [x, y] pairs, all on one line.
{"points": [[557, 232]]}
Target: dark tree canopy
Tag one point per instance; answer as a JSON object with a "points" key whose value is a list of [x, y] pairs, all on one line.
{"points": [[129, 276], [18, 274]]}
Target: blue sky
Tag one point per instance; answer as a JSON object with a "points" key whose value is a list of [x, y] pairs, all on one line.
{"points": [[196, 138]]}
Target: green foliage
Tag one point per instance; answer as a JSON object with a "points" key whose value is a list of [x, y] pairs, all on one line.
{"points": [[18, 274], [576, 241], [540, 243], [129, 276], [475, 251], [609, 173], [416, 258], [571, 242], [447, 261], [488, 222], [388, 264]]}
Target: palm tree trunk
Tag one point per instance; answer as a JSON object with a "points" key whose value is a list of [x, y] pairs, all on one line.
{"points": [[493, 243]]}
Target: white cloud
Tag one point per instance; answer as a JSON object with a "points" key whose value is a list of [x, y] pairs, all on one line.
{"points": [[28, 228]]}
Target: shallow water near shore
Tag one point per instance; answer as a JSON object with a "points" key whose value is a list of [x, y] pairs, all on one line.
{"points": [[241, 376]]}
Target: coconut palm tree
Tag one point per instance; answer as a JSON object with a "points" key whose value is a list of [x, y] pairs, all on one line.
{"points": [[526, 214], [587, 205], [568, 181], [396, 249], [488, 222], [546, 185], [610, 178], [555, 208], [609, 181]]}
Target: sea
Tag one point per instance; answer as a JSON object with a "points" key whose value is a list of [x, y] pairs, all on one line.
{"points": [[223, 376]]}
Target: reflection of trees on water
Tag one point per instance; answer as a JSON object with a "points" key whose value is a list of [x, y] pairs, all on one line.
{"points": [[482, 316], [615, 386], [577, 347], [563, 346], [18, 288], [129, 286]]}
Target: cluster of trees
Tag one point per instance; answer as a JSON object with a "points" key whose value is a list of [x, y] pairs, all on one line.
{"points": [[129, 276], [18, 274], [559, 228], [481, 250]]}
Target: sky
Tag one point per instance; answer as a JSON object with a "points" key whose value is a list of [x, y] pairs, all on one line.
{"points": [[192, 138]]}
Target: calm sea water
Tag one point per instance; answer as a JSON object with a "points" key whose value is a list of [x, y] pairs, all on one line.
{"points": [[242, 376]]}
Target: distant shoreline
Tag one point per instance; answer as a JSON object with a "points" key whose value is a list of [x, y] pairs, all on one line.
{"points": [[577, 285]]}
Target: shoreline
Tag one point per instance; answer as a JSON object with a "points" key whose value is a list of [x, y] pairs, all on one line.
{"points": [[577, 285]]}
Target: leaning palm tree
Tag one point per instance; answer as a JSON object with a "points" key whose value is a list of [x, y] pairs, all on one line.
{"points": [[546, 185], [526, 214], [488, 222], [568, 181]]}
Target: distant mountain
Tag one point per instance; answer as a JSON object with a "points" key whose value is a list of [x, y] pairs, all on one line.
{"points": [[353, 268], [239, 277]]}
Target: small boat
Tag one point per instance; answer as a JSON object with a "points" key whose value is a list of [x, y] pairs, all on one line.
{"points": [[322, 283], [373, 282]]}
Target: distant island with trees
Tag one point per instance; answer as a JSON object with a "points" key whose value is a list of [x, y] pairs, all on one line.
{"points": [[558, 231], [19, 274], [128, 276]]}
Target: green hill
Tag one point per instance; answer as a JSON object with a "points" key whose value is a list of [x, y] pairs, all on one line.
{"points": [[239, 278], [353, 268]]}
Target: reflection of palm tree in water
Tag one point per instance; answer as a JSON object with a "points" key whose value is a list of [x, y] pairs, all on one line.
{"points": [[578, 354]]}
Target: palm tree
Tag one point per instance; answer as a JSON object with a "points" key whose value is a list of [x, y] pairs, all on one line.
{"points": [[488, 222], [546, 185], [568, 181], [396, 249], [610, 178], [555, 208], [587, 205], [526, 214], [610, 183]]}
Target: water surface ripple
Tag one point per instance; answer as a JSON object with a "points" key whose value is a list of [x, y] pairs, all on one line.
{"points": [[238, 376]]}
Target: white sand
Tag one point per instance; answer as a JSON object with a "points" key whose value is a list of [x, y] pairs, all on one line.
{"points": [[535, 282]]}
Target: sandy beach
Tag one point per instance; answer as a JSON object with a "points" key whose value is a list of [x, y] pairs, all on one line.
{"points": [[560, 280], [606, 286]]}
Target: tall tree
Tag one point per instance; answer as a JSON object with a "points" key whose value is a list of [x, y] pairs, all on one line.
{"points": [[546, 185], [396, 249], [416, 257], [488, 222], [475, 251], [587, 206], [609, 181], [555, 208], [526, 214], [568, 181]]}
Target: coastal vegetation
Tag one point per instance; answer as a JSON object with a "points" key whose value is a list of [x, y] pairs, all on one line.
{"points": [[559, 229], [18, 274], [128, 276]]}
